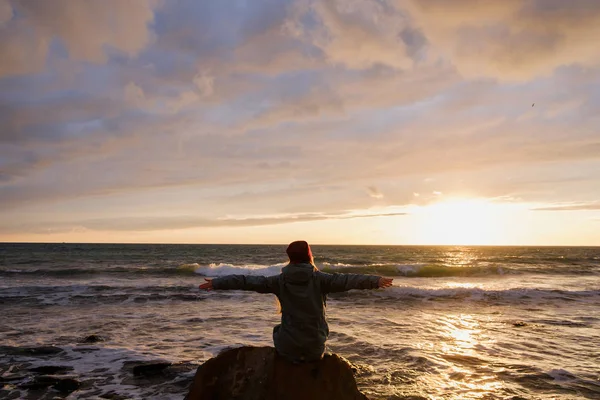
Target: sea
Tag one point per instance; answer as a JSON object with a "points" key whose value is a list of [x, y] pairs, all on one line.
{"points": [[460, 322]]}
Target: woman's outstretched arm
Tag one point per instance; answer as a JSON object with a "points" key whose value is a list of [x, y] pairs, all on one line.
{"points": [[260, 284], [342, 282]]}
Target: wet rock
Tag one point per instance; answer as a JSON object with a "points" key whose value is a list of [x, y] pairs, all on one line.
{"points": [[519, 324], [258, 373], [150, 369], [144, 373], [30, 351], [61, 384], [12, 373], [67, 385], [40, 382], [114, 396], [84, 350], [11, 378], [7, 393], [93, 339], [51, 369]]}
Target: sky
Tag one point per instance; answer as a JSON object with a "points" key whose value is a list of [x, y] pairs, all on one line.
{"points": [[267, 121]]}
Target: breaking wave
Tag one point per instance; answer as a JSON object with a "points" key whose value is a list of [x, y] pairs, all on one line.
{"points": [[220, 269]]}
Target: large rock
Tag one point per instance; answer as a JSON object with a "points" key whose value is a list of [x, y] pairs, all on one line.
{"points": [[258, 373]]}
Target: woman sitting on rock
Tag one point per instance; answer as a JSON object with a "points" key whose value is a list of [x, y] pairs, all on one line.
{"points": [[301, 289]]}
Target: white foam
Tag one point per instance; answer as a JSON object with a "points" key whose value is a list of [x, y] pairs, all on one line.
{"points": [[231, 269], [406, 269], [187, 267], [337, 265], [478, 294]]}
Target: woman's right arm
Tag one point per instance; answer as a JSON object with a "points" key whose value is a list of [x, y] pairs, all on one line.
{"points": [[260, 284]]}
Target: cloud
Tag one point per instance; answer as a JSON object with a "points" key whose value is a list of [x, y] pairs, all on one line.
{"points": [[360, 35], [277, 49], [88, 30], [23, 51], [204, 83], [154, 223], [6, 12], [339, 95], [374, 192], [136, 97], [52, 120], [512, 39], [570, 207]]}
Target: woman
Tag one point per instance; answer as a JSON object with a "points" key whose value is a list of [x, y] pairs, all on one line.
{"points": [[301, 289]]}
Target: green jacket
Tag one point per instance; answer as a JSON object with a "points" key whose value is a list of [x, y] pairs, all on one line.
{"points": [[301, 290]]}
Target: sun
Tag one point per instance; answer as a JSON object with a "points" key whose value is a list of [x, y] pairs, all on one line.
{"points": [[462, 222]]}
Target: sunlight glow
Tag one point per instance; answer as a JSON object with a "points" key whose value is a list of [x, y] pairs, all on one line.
{"points": [[463, 222]]}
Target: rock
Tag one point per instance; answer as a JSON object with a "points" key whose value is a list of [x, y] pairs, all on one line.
{"points": [[93, 339], [30, 351], [258, 373], [8, 377], [67, 385], [62, 384], [157, 372], [51, 369], [11, 378], [150, 369], [9, 394], [13, 373], [519, 324], [40, 382], [85, 350], [114, 396]]}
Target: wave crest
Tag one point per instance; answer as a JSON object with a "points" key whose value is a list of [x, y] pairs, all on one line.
{"points": [[222, 269], [416, 270]]}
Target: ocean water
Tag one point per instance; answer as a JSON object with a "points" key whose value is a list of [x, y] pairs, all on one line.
{"points": [[459, 323]]}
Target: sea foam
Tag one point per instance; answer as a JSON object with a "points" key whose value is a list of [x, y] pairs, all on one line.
{"points": [[231, 269]]}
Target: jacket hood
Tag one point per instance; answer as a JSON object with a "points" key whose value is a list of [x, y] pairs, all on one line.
{"points": [[297, 272]]}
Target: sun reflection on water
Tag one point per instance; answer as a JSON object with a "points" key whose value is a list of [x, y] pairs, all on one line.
{"points": [[461, 285], [460, 334], [468, 375], [460, 256]]}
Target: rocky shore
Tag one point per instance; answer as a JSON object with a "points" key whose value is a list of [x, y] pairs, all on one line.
{"points": [[42, 372], [244, 373]]}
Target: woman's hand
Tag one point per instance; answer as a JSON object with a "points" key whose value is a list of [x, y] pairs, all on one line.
{"points": [[207, 285], [385, 282]]}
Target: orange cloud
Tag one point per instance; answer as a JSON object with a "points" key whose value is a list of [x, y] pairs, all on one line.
{"points": [[6, 12], [87, 29], [360, 35], [510, 39]]}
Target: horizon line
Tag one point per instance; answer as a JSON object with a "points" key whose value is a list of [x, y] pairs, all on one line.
{"points": [[311, 243]]}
